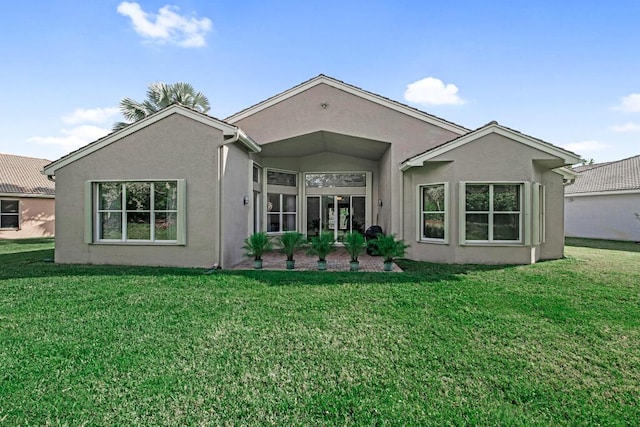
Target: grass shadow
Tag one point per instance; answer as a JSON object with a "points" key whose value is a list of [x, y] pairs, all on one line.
{"points": [[613, 245]]}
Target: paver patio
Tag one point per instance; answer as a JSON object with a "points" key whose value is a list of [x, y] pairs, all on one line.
{"points": [[338, 260]]}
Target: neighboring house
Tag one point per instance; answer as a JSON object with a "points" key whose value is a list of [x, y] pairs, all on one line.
{"points": [[183, 188], [604, 201], [27, 202]]}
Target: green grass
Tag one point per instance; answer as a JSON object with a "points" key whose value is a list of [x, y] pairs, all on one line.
{"points": [[556, 343]]}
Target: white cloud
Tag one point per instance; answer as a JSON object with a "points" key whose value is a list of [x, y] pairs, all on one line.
{"points": [[432, 91], [167, 26], [627, 127], [72, 138], [91, 115], [630, 103], [585, 146]]}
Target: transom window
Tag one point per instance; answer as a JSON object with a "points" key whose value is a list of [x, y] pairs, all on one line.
{"points": [[281, 178], [493, 212], [433, 212], [10, 214], [137, 211], [336, 180]]}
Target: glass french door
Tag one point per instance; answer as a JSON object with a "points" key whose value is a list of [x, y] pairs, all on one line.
{"points": [[336, 214]]}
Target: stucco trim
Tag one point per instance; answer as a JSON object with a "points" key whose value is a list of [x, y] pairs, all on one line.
{"points": [[227, 130], [369, 96], [493, 128], [27, 196]]}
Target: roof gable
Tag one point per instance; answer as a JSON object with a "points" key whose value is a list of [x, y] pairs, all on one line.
{"points": [[619, 176], [21, 176], [228, 130], [491, 128], [370, 96]]}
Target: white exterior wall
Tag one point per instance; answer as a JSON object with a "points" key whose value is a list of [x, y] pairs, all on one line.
{"points": [[610, 217]]}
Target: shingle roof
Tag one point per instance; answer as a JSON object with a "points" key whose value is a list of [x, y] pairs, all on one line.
{"points": [[611, 176], [23, 175]]}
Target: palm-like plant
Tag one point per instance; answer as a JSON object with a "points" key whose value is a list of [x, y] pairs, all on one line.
{"points": [[161, 95]]}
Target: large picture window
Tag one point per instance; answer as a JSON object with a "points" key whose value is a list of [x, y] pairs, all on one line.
{"points": [[493, 213], [433, 212], [137, 211], [10, 214]]}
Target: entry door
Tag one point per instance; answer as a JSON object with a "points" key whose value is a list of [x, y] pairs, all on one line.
{"points": [[335, 214]]}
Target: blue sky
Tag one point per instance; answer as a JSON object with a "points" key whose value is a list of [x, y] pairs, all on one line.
{"points": [[567, 72]]}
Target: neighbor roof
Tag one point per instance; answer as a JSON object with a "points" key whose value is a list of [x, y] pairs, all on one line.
{"points": [[354, 90], [621, 175], [22, 176], [491, 127]]}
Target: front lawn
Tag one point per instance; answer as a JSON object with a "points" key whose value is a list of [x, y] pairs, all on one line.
{"points": [[552, 343]]}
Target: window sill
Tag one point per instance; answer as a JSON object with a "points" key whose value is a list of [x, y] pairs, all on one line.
{"points": [[494, 244], [433, 242], [138, 244]]}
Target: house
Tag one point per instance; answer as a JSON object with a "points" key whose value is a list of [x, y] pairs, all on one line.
{"points": [[27, 202], [182, 188], [604, 201]]}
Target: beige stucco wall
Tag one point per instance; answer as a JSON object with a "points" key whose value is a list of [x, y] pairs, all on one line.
{"points": [[603, 216], [351, 115], [37, 218], [492, 158], [173, 148]]}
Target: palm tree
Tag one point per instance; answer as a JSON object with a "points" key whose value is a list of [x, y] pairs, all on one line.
{"points": [[159, 96]]}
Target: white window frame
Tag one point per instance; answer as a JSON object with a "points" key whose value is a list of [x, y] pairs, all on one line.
{"points": [[524, 231], [92, 213], [18, 214], [280, 190], [420, 213]]}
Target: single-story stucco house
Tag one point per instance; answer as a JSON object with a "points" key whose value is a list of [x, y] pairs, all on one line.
{"points": [[27, 198], [182, 188], [604, 201]]}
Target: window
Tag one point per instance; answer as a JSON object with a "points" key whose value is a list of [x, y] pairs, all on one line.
{"points": [[333, 180], [433, 199], [281, 212], [493, 212], [10, 214], [281, 178], [137, 211]]}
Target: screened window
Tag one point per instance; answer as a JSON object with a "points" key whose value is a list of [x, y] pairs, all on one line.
{"points": [[433, 212], [10, 214], [281, 212], [493, 212], [137, 211]]}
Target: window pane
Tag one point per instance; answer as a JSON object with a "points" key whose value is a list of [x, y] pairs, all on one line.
{"points": [[110, 226], [9, 206], [273, 222], [477, 227], [332, 180], [138, 196], [281, 178], [477, 197], [256, 174], [506, 227], [433, 226], [166, 226], [110, 196], [289, 221], [273, 202], [166, 196], [138, 225], [506, 198], [358, 218], [433, 198], [313, 216], [9, 221], [289, 203]]}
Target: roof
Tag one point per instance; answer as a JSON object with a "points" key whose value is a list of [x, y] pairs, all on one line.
{"points": [[22, 176], [491, 127], [228, 130], [354, 90], [619, 176]]}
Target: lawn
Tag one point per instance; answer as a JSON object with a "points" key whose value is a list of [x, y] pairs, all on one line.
{"points": [[555, 343]]}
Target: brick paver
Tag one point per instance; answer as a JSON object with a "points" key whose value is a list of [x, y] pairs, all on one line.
{"points": [[338, 260]]}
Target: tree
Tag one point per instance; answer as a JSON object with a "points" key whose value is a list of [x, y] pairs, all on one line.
{"points": [[161, 95]]}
